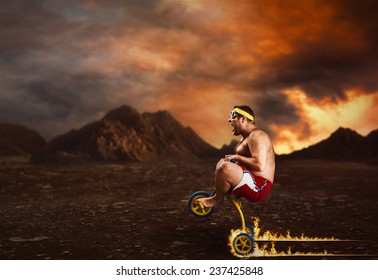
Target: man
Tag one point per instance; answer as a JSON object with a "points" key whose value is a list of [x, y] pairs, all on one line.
{"points": [[250, 171]]}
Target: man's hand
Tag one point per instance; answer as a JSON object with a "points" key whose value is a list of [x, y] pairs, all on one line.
{"points": [[231, 158]]}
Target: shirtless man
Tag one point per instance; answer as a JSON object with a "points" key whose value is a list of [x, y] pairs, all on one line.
{"points": [[252, 174]]}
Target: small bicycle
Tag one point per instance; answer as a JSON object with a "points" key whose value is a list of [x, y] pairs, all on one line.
{"points": [[242, 242]]}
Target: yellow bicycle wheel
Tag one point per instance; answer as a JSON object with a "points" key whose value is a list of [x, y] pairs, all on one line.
{"points": [[197, 208], [242, 244]]}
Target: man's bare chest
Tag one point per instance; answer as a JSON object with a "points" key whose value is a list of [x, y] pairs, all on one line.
{"points": [[243, 149]]}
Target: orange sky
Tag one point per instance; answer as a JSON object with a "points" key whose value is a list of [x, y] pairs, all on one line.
{"points": [[305, 67]]}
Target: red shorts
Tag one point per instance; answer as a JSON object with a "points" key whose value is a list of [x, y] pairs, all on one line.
{"points": [[252, 187]]}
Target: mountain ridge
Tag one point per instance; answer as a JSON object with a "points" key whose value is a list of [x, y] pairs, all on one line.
{"points": [[344, 144], [125, 134], [18, 140]]}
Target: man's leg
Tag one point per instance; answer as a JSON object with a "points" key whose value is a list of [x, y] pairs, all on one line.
{"points": [[227, 176]]}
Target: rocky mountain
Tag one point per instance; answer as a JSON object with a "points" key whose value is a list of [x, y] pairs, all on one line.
{"points": [[370, 148], [344, 144], [125, 134], [16, 140]]}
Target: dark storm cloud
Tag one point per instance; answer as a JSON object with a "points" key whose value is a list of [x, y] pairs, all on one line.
{"points": [[321, 71], [129, 13], [336, 61], [60, 96], [43, 45], [64, 93], [32, 25], [362, 13], [71, 61], [24, 26], [275, 107]]}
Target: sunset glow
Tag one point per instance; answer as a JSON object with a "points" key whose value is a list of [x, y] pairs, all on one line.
{"points": [[356, 112]]}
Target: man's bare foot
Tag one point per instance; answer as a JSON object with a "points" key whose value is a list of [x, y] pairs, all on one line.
{"points": [[208, 201]]}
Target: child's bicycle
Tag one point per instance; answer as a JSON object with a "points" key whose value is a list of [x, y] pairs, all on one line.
{"points": [[242, 241]]}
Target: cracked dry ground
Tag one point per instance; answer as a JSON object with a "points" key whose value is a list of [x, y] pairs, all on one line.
{"points": [[139, 210]]}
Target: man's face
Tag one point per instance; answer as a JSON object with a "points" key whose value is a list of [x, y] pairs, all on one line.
{"points": [[234, 122]]}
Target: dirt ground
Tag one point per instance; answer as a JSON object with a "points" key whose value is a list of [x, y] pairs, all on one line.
{"points": [[139, 210]]}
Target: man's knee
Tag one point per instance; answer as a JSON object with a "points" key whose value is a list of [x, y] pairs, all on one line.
{"points": [[224, 167], [219, 163]]}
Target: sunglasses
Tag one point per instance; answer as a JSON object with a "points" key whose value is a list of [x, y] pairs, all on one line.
{"points": [[233, 115]]}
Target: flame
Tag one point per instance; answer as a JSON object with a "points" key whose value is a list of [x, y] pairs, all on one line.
{"points": [[269, 236], [265, 251], [269, 250]]}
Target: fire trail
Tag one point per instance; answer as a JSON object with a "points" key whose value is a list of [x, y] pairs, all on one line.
{"points": [[265, 243]]}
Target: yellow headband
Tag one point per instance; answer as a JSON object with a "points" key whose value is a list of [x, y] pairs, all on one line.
{"points": [[244, 113]]}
